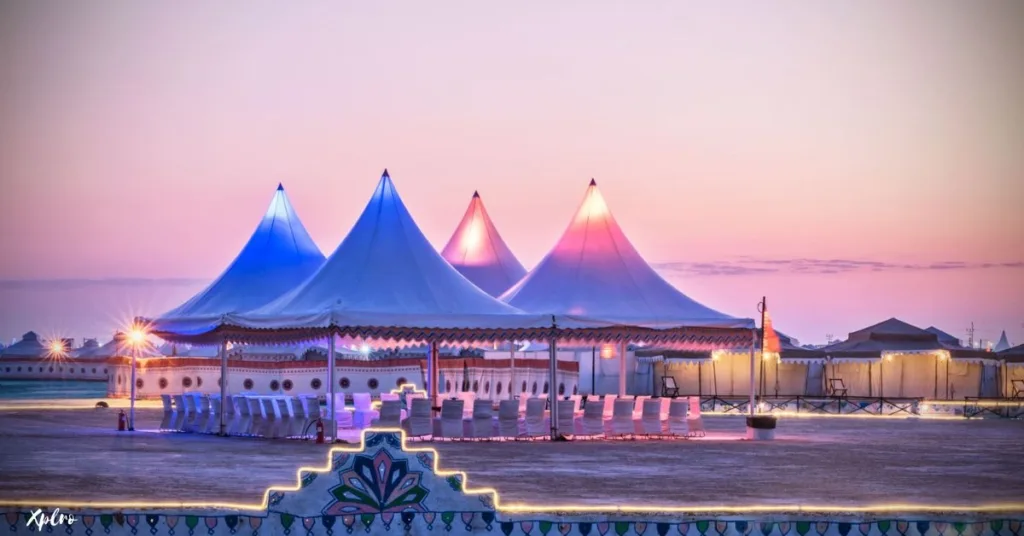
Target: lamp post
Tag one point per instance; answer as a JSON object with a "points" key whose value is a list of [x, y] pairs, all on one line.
{"points": [[136, 337]]}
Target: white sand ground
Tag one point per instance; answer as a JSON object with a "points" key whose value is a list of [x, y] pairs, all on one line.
{"points": [[75, 454]]}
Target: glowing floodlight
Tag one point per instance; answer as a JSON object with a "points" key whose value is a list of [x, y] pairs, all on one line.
{"points": [[607, 351], [365, 348], [57, 348]]}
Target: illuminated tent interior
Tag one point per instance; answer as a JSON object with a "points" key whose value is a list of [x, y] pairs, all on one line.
{"points": [[478, 252], [796, 371], [594, 271], [278, 256], [894, 359]]}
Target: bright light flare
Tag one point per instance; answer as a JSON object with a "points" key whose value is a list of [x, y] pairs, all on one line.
{"points": [[56, 349]]}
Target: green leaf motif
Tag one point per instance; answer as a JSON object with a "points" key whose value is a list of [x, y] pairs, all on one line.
{"points": [[367, 519], [802, 527], [447, 517], [883, 527], [702, 527], [621, 527], [191, 521], [287, 520], [545, 527], [106, 520]]}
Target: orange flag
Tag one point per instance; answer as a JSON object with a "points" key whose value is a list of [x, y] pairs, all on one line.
{"points": [[772, 344]]}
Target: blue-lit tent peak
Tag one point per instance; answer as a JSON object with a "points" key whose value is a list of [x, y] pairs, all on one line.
{"points": [[280, 187], [385, 265], [278, 257]]}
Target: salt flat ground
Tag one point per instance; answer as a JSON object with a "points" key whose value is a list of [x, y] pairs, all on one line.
{"points": [[76, 455]]}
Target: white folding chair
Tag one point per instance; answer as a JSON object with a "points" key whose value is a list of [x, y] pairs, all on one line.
{"points": [[451, 418], [566, 417], [638, 406], [168, 418], [420, 422], [609, 406], [677, 416], [508, 418], [483, 418], [523, 398], [694, 424], [390, 415], [650, 418], [576, 402], [593, 417], [343, 416], [622, 418], [535, 425], [364, 412], [270, 418], [285, 422], [467, 399], [243, 424], [300, 419]]}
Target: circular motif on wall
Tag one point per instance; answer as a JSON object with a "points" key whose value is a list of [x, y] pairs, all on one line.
{"points": [[545, 387], [561, 389], [8, 369], [315, 383], [575, 389], [498, 389], [162, 383], [534, 387], [275, 385], [94, 371], [51, 369], [199, 381], [447, 385], [487, 387], [476, 386], [119, 379], [104, 371], [287, 384], [219, 382], [186, 382], [523, 390], [344, 383], [247, 384], [83, 371], [138, 383], [60, 369], [372, 383], [71, 370], [19, 369], [400, 382]]}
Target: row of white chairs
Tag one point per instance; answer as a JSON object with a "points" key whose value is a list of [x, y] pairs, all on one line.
{"points": [[246, 414], [657, 417]]}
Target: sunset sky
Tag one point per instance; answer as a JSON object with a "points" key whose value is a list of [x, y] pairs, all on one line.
{"points": [[851, 160]]}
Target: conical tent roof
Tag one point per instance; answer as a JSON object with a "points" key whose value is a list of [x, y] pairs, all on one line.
{"points": [[477, 251], [1003, 343], [279, 255], [386, 273], [595, 272]]}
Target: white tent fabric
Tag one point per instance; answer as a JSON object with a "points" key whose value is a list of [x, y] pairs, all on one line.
{"points": [[1003, 344], [279, 255], [386, 274], [478, 252], [594, 272]]}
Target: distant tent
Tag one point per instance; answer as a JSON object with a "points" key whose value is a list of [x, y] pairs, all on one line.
{"points": [[594, 271], [120, 347], [1003, 343], [28, 346], [892, 335], [945, 338], [478, 252], [279, 255], [88, 348]]}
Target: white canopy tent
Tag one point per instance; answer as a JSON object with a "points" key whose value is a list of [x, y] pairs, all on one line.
{"points": [[478, 252], [595, 272], [1003, 343], [278, 256]]}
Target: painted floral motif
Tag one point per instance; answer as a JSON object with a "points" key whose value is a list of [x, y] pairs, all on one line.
{"points": [[378, 484]]}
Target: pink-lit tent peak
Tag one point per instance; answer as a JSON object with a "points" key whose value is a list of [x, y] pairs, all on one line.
{"points": [[594, 271], [479, 253]]}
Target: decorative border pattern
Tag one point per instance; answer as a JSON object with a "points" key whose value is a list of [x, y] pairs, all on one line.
{"points": [[387, 488]]}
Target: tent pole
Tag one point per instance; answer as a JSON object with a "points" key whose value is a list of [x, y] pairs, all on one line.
{"points": [[753, 369], [223, 387], [131, 417], [622, 369], [435, 377], [700, 378], [512, 383], [947, 376], [332, 424], [935, 394], [593, 370], [553, 386]]}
